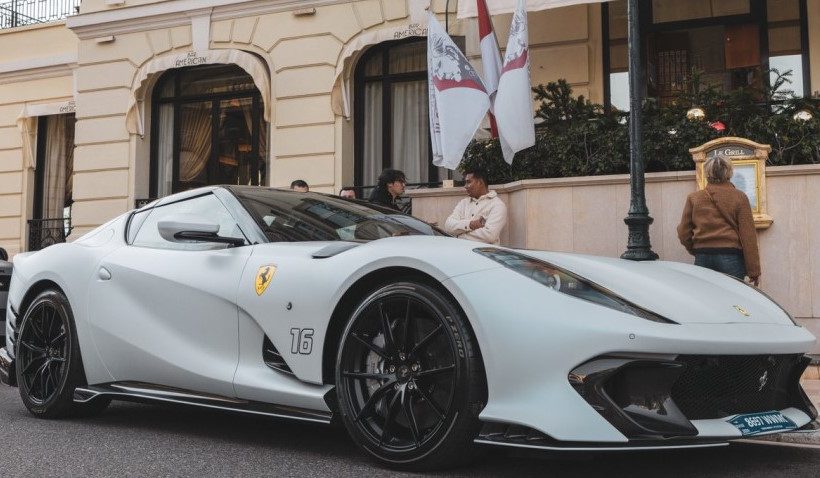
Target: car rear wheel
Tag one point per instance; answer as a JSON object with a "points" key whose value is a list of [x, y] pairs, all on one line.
{"points": [[49, 366], [410, 381]]}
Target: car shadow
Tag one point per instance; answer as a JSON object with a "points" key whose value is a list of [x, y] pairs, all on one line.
{"points": [[320, 448]]}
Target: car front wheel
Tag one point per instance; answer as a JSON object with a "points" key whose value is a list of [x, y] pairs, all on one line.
{"points": [[409, 377], [49, 366]]}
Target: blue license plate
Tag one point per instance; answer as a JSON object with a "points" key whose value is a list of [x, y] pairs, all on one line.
{"points": [[765, 422]]}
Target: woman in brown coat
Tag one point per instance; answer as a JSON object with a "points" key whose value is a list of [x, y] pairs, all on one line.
{"points": [[717, 225]]}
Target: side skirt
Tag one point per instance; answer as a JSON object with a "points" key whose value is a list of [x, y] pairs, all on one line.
{"points": [[146, 392]]}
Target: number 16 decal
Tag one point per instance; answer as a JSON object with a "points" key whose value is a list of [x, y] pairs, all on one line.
{"points": [[302, 341]]}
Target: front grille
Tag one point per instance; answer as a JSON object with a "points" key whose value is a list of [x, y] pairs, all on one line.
{"points": [[5, 281], [717, 386]]}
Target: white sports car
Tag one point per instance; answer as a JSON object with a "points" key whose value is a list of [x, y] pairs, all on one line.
{"points": [[310, 307]]}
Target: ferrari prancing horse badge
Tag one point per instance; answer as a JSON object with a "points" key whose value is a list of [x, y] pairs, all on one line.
{"points": [[263, 277]]}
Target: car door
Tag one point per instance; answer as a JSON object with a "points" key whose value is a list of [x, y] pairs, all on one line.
{"points": [[165, 312]]}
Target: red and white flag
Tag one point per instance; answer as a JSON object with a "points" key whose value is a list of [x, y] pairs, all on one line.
{"points": [[513, 100], [458, 98], [490, 57]]}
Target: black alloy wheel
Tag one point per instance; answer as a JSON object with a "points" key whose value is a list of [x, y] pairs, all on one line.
{"points": [[409, 378], [49, 366]]}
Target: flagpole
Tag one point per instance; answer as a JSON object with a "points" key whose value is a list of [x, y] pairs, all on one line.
{"points": [[638, 220], [447, 17]]}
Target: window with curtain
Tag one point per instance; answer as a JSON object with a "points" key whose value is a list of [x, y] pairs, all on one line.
{"points": [[733, 42], [391, 117], [55, 165], [208, 128], [53, 179]]}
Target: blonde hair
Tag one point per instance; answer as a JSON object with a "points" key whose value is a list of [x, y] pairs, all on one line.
{"points": [[718, 170]]}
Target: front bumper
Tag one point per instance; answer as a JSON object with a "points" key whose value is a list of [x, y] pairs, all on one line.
{"points": [[656, 398], [662, 402], [710, 433], [532, 341]]}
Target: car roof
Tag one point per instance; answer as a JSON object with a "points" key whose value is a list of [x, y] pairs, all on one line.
{"points": [[184, 195]]}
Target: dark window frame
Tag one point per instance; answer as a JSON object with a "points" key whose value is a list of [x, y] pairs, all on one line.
{"points": [[387, 79], [39, 171], [40, 163], [757, 15], [178, 100]]}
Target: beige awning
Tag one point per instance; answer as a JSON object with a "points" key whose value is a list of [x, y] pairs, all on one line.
{"points": [[134, 119], [27, 122], [467, 8], [340, 96]]}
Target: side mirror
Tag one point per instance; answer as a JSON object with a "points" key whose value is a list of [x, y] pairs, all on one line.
{"points": [[192, 227], [4, 256]]}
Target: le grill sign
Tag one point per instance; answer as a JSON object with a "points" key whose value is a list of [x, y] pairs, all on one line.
{"points": [[730, 151]]}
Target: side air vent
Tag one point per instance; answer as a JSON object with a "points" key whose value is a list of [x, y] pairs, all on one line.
{"points": [[273, 358]]}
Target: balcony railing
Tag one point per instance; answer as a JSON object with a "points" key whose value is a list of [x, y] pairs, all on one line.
{"points": [[45, 232], [17, 13]]}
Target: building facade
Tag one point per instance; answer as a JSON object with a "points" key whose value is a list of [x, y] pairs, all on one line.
{"points": [[127, 100]]}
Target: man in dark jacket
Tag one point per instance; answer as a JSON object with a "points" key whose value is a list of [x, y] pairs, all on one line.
{"points": [[388, 189]]}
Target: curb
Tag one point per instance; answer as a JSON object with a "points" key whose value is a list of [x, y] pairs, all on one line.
{"points": [[798, 437]]}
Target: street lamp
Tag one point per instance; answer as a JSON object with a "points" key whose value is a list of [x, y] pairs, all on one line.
{"points": [[638, 220]]}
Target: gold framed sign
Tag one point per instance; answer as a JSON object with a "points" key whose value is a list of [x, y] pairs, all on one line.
{"points": [[749, 162]]}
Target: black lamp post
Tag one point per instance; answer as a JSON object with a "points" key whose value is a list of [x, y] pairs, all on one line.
{"points": [[638, 220]]}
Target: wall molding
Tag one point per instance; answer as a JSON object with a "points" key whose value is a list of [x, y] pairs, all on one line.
{"points": [[38, 68], [666, 177], [176, 13]]}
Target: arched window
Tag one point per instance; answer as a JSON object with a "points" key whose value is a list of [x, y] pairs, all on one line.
{"points": [[391, 118], [207, 128]]}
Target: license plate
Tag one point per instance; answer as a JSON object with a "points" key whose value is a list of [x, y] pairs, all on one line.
{"points": [[766, 422]]}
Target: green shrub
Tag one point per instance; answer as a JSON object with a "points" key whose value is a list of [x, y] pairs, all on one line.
{"points": [[575, 137]]}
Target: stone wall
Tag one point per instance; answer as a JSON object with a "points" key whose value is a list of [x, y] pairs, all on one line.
{"points": [[585, 215]]}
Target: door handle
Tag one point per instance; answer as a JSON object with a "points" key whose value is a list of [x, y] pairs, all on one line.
{"points": [[104, 274]]}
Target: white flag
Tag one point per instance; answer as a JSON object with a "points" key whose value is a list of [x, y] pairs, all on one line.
{"points": [[513, 101], [490, 57], [458, 98]]}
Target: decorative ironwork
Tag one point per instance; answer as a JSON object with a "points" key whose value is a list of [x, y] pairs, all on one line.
{"points": [[45, 232], [17, 13]]}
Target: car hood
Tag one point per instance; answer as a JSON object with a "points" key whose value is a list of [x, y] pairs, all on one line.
{"points": [[680, 292]]}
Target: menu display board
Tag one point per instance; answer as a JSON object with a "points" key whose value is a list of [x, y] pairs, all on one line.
{"points": [[749, 163]]}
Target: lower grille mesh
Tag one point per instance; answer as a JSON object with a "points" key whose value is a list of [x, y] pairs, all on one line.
{"points": [[717, 386]]}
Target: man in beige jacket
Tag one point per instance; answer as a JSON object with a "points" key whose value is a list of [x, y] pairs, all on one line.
{"points": [[481, 216]]}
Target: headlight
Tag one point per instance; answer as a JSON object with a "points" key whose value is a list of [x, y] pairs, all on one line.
{"points": [[566, 282]]}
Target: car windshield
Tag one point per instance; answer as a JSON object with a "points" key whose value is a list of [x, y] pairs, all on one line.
{"points": [[292, 216]]}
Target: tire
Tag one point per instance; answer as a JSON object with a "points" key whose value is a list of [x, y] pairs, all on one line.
{"points": [[49, 364], [409, 378]]}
